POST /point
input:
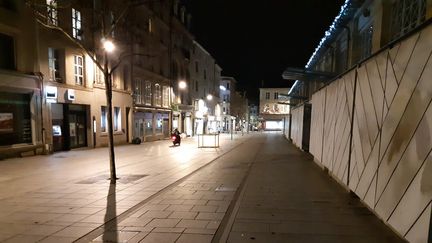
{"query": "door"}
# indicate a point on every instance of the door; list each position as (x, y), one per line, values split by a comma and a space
(77, 129)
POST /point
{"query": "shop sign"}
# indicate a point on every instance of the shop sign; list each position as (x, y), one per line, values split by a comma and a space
(71, 94)
(51, 94)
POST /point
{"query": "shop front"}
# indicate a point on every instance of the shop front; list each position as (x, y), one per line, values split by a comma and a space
(15, 118)
(151, 125)
(69, 126)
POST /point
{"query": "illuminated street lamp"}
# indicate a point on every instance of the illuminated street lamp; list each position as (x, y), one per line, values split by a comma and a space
(209, 97)
(182, 84)
(108, 45)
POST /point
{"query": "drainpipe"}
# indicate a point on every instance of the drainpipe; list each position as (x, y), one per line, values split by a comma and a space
(351, 129)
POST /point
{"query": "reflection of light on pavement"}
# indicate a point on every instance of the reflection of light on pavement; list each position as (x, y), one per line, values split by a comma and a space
(184, 156)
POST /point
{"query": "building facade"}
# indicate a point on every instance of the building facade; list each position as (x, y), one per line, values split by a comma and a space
(21, 85)
(273, 107)
(204, 91)
(53, 93)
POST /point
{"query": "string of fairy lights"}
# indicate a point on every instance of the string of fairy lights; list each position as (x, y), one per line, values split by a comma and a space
(343, 12)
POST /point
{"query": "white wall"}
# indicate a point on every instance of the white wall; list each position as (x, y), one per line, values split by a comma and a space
(297, 125)
(391, 160)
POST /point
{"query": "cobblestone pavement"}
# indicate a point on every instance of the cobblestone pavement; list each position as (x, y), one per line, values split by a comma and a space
(254, 188)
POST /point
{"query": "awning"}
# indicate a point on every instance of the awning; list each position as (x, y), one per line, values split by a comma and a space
(306, 75)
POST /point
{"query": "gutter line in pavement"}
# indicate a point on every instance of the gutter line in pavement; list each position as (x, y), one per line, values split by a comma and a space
(113, 222)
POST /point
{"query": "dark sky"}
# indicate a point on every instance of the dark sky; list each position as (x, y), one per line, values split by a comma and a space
(255, 41)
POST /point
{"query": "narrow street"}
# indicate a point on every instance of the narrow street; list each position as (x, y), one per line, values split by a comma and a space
(254, 188)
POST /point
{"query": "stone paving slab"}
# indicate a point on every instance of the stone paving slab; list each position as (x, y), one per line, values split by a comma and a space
(288, 198)
(43, 198)
(173, 216)
(264, 190)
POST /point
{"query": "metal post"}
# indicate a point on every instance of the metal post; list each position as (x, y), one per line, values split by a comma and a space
(232, 129)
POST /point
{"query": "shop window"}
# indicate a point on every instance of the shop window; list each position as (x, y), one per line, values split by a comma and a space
(148, 122)
(7, 50)
(117, 119)
(159, 123)
(79, 70)
(76, 24)
(104, 119)
(15, 119)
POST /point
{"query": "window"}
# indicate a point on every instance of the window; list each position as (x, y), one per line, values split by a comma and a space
(76, 24)
(53, 64)
(150, 25)
(78, 70)
(158, 95)
(125, 77)
(52, 12)
(406, 15)
(117, 119)
(276, 95)
(227, 86)
(148, 94)
(366, 42)
(205, 74)
(139, 92)
(196, 66)
(159, 123)
(267, 95)
(9, 4)
(196, 85)
(7, 50)
(99, 77)
(103, 119)
(165, 96)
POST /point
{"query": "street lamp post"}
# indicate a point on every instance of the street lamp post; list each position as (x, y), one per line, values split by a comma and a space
(109, 47)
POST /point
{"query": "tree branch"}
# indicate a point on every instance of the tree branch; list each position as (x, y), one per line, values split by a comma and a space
(123, 56)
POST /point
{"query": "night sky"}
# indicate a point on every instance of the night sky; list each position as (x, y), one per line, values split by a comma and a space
(254, 41)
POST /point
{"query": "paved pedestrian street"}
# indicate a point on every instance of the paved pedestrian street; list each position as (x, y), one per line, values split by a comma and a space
(254, 188)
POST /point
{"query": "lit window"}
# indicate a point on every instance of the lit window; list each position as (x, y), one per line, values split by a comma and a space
(150, 25)
(165, 94)
(78, 70)
(117, 119)
(148, 94)
(53, 64)
(158, 95)
(52, 12)
(76, 24)
(103, 119)
(99, 77)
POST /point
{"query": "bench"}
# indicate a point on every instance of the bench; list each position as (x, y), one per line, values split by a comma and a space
(18, 150)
